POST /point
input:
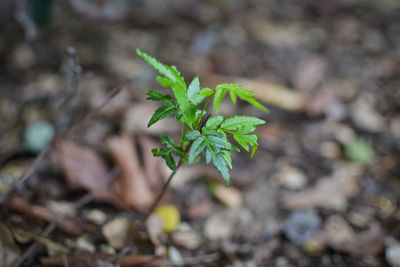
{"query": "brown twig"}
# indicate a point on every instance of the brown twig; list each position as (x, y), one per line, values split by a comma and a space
(52, 226)
(38, 159)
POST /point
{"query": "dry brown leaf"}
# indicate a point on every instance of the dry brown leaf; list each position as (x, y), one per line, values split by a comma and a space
(21, 206)
(131, 186)
(328, 193)
(9, 251)
(366, 243)
(85, 169)
(272, 94)
(151, 163)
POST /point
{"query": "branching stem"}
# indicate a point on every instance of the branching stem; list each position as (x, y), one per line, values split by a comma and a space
(166, 185)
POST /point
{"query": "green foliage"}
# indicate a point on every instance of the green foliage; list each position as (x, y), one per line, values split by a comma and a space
(201, 135)
(360, 151)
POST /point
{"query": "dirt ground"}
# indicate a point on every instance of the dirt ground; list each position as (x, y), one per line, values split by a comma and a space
(322, 189)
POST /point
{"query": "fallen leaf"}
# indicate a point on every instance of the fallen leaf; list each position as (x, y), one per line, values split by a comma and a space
(131, 186)
(330, 192)
(151, 163)
(229, 196)
(35, 212)
(85, 169)
(9, 251)
(366, 243)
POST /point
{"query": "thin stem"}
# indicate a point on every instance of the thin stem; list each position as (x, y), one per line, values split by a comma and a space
(202, 111)
(166, 184)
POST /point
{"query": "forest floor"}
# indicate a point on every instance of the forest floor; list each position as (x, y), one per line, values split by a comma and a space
(322, 189)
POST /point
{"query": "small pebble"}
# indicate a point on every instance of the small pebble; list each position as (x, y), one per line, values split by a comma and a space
(82, 243)
(392, 255)
(329, 149)
(97, 216)
(119, 232)
(186, 237)
(291, 177)
(38, 135)
(175, 256)
(219, 226)
(300, 226)
(229, 196)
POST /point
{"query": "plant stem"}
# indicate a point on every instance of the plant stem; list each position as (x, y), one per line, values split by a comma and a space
(166, 184)
(161, 194)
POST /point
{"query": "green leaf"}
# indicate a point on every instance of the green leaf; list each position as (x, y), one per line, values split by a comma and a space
(208, 156)
(161, 113)
(169, 72)
(239, 138)
(177, 84)
(214, 122)
(219, 162)
(241, 122)
(206, 92)
(227, 156)
(167, 140)
(192, 135)
(247, 96)
(234, 91)
(360, 151)
(246, 140)
(196, 148)
(164, 82)
(219, 95)
(169, 160)
(193, 91)
(156, 152)
(157, 96)
(179, 151)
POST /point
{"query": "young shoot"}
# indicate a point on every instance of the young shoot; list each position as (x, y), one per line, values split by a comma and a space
(202, 134)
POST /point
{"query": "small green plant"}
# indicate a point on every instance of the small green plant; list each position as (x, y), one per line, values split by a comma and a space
(201, 133)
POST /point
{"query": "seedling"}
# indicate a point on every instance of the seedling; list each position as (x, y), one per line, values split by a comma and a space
(202, 134)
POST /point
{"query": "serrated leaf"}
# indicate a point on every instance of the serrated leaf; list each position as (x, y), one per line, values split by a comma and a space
(206, 92)
(169, 72)
(240, 121)
(193, 91)
(169, 160)
(177, 85)
(253, 150)
(192, 135)
(219, 162)
(167, 140)
(179, 151)
(157, 96)
(227, 157)
(239, 138)
(167, 83)
(246, 140)
(219, 95)
(214, 122)
(156, 152)
(161, 113)
(196, 148)
(233, 95)
(208, 156)
(247, 96)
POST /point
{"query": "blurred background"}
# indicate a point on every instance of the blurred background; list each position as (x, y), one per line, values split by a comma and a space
(323, 188)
